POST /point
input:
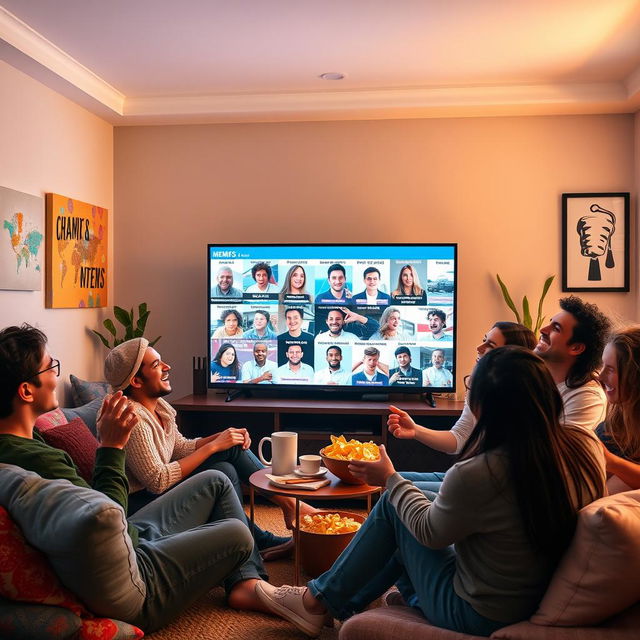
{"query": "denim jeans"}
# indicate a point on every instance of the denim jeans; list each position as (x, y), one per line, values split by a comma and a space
(235, 463)
(192, 538)
(425, 481)
(384, 552)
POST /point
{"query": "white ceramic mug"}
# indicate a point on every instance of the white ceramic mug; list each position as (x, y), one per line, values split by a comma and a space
(284, 452)
(310, 464)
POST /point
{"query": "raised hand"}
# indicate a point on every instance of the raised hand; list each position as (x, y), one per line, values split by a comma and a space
(400, 424)
(375, 472)
(116, 420)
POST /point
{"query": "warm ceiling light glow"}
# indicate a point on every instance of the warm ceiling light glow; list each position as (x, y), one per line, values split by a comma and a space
(332, 75)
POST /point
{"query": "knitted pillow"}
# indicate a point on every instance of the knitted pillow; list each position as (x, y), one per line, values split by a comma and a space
(76, 439)
(84, 536)
(83, 391)
(28, 577)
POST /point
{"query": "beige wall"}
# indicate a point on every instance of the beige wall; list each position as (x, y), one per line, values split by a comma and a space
(491, 184)
(49, 144)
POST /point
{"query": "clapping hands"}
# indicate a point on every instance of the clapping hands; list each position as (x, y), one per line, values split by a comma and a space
(116, 421)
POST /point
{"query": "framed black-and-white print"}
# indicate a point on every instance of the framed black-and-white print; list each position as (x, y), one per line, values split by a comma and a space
(595, 242)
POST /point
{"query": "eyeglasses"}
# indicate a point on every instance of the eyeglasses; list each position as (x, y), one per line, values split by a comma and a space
(55, 364)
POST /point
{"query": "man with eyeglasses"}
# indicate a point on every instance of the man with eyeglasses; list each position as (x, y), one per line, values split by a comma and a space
(181, 553)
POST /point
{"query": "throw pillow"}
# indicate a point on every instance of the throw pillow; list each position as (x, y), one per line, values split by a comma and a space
(598, 575)
(20, 621)
(76, 439)
(88, 412)
(50, 420)
(84, 536)
(28, 577)
(83, 391)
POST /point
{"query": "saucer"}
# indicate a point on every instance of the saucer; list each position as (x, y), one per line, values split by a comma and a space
(319, 474)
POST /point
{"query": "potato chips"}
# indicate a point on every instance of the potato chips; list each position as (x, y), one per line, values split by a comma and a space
(329, 524)
(340, 449)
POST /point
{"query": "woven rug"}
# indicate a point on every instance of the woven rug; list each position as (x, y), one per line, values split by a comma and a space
(211, 619)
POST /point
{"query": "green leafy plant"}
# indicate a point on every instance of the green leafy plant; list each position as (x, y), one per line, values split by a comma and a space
(525, 317)
(132, 328)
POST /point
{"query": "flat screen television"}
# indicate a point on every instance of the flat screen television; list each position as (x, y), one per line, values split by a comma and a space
(369, 318)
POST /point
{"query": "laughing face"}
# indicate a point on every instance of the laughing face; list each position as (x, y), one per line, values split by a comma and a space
(153, 379)
(609, 373)
(554, 344)
(492, 340)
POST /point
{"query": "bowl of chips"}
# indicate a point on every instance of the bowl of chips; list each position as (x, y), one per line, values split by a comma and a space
(324, 536)
(337, 456)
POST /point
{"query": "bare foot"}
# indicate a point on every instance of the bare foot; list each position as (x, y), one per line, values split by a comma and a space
(243, 596)
(281, 551)
(288, 506)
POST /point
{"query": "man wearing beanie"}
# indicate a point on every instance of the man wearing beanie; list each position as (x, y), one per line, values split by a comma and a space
(189, 540)
(159, 456)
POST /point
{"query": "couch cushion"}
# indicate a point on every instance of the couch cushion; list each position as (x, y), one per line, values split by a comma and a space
(37, 622)
(83, 391)
(598, 575)
(396, 623)
(84, 536)
(76, 439)
(88, 412)
(50, 420)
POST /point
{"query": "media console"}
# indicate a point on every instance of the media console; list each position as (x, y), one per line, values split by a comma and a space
(316, 419)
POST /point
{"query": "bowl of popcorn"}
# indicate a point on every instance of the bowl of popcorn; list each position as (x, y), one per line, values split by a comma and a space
(340, 452)
(324, 536)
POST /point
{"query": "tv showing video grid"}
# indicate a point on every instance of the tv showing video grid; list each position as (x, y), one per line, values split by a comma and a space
(356, 316)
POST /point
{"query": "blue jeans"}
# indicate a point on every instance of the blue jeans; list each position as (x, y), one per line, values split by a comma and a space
(425, 481)
(235, 463)
(384, 552)
(192, 538)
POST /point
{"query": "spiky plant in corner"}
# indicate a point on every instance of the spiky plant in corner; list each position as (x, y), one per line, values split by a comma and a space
(132, 328)
(525, 318)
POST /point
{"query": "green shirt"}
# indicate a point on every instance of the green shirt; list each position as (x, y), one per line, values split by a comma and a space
(35, 455)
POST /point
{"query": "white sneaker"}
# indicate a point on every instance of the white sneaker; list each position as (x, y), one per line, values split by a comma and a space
(286, 602)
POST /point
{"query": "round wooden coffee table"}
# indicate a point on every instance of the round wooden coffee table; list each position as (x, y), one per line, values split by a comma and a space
(335, 490)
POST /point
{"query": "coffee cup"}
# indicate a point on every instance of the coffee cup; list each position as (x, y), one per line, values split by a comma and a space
(310, 464)
(284, 452)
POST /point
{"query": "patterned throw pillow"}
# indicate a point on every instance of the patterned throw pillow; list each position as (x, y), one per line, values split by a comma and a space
(50, 420)
(76, 439)
(84, 391)
(26, 576)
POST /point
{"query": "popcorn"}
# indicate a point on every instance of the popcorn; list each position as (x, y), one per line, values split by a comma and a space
(340, 449)
(328, 524)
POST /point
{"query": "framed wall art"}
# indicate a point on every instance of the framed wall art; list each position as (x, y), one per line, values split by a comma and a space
(77, 244)
(21, 241)
(595, 242)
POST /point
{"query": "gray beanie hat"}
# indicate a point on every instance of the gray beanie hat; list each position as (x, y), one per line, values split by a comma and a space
(123, 362)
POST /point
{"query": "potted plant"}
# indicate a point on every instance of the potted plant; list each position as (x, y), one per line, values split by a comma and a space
(132, 328)
(525, 317)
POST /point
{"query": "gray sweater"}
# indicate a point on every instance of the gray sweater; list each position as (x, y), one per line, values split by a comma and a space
(497, 571)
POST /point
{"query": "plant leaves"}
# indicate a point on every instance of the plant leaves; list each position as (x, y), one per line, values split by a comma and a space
(102, 338)
(142, 322)
(122, 316)
(110, 327)
(154, 341)
(526, 314)
(545, 289)
(142, 308)
(507, 298)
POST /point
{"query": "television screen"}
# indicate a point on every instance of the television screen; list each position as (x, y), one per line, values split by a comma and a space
(352, 317)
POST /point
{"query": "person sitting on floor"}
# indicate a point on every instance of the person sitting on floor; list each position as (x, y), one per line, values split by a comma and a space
(159, 456)
(197, 548)
(478, 555)
(620, 432)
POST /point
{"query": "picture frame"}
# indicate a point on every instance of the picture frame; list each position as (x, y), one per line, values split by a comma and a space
(595, 241)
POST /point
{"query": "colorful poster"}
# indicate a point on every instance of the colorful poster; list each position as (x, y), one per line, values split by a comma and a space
(77, 235)
(21, 236)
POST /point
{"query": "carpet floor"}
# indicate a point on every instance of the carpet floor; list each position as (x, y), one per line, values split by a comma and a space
(210, 618)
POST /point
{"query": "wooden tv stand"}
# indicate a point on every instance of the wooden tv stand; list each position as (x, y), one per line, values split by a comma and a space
(316, 419)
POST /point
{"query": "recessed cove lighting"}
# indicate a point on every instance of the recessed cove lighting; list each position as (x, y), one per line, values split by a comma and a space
(332, 75)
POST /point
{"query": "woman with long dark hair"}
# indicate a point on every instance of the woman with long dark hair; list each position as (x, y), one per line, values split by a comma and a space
(225, 366)
(509, 506)
(620, 432)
